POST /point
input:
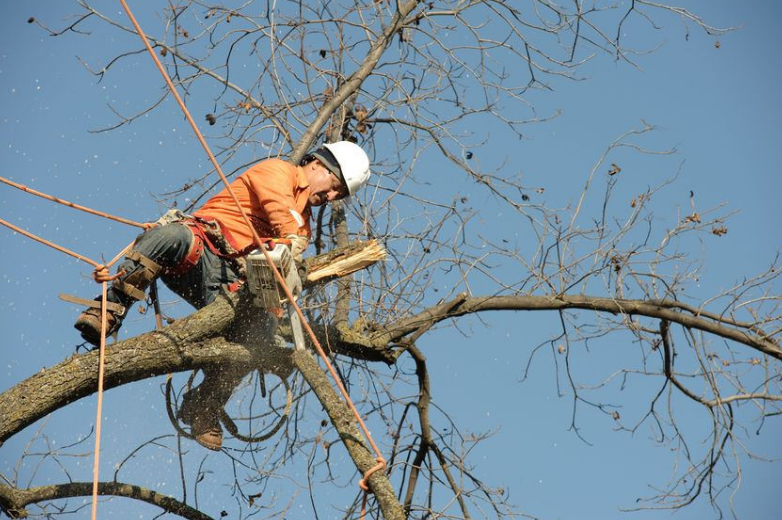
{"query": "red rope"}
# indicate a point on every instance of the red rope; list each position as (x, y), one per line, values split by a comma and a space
(256, 238)
(101, 275)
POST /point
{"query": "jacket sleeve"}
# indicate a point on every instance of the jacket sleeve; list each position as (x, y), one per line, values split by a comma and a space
(272, 184)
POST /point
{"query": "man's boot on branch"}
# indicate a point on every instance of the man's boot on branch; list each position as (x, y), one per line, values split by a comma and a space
(200, 411)
(201, 406)
(126, 290)
(88, 322)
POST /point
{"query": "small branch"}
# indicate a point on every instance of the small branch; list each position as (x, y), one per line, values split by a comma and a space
(711, 403)
(427, 442)
(355, 81)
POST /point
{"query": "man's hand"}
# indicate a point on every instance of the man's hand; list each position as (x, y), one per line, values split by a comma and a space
(299, 244)
(293, 281)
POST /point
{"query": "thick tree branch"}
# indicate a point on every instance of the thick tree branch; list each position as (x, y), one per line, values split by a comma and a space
(195, 342)
(343, 420)
(14, 501)
(200, 340)
(185, 345)
(662, 309)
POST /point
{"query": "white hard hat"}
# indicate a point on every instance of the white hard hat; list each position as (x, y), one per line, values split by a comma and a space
(353, 164)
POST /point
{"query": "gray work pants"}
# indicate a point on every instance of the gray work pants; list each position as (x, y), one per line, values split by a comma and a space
(167, 246)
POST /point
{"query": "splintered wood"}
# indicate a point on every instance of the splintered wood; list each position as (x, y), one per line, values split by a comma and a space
(340, 262)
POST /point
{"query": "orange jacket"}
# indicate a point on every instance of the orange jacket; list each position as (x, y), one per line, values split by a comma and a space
(269, 192)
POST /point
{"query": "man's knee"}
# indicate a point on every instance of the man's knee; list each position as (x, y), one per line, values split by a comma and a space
(165, 244)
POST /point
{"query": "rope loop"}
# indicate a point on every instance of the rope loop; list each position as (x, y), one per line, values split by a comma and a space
(101, 274)
(381, 464)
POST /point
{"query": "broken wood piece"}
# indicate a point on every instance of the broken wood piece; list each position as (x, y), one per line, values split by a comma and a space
(344, 261)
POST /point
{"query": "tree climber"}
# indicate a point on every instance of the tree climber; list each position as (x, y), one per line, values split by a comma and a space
(196, 255)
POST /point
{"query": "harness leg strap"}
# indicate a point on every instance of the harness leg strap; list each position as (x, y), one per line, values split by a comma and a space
(135, 283)
(191, 258)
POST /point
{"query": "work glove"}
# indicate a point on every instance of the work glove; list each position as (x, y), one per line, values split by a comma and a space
(299, 244)
(301, 267)
(293, 281)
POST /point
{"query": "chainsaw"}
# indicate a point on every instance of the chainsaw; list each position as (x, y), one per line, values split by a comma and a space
(266, 290)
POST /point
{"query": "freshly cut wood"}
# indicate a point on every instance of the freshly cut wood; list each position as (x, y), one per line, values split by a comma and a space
(344, 261)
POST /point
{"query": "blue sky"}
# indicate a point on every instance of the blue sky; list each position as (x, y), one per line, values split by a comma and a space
(719, 107)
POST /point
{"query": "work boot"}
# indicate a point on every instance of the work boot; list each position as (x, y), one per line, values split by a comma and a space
(88, 323)
(203, 420)
(140, 272)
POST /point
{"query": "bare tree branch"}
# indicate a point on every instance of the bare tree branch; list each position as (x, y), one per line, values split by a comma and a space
(15, 501)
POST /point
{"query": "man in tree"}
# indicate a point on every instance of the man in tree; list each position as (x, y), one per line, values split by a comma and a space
(196, 255)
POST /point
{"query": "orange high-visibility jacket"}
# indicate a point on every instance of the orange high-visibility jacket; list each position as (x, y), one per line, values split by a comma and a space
(274, 195)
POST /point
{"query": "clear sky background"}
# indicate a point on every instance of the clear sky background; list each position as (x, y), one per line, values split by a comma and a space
(719, 106)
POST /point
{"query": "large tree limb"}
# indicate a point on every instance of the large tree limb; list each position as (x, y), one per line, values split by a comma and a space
(185, 345)
(14, 501)
(343, 420)
(663, 309)
(200, 340)
(196, 342)
(203, 339)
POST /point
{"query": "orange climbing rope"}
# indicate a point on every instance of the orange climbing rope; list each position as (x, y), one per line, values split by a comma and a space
(72, 205)
(381, 461)
(102, 276)
(99, 406)
(93, 263)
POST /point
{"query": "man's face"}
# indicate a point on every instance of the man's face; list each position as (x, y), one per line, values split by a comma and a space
(324, 185)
